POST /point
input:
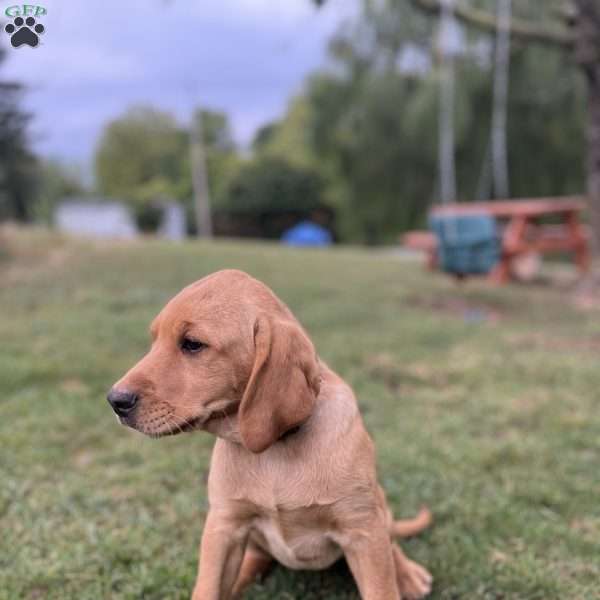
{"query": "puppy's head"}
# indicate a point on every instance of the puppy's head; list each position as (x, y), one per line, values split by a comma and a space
(223, 346)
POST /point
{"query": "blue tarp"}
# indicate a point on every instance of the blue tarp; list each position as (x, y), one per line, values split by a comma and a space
(307, 233)
(467, 244)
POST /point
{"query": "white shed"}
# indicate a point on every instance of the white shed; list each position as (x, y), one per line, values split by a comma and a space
(102, 219)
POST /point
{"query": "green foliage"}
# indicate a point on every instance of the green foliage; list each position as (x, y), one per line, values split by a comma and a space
(549, 13)
(492, 423)
(149, 217)
(289, 139)
(222, 159)
(56, 181)
(17, 163)
(140, 156)
(546, 128)
(144, 157)
(271, 185)
(379, 153)
(374, 124)
(215, 131)
(263, 136)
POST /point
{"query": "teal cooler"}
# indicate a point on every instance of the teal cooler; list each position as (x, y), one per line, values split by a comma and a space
(467, 244)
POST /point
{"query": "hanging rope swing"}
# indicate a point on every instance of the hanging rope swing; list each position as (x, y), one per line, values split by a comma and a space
(494, 178)
(470, 244)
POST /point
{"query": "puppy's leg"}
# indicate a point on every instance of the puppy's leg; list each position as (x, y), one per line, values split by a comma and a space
(409, 527)
(370, 558)
(414, 581)
(255, 564)
(221, 553)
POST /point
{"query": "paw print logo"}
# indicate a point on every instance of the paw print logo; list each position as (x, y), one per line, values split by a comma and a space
(24, 31)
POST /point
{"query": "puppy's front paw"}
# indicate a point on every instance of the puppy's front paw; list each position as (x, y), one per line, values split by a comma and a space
(414, 581)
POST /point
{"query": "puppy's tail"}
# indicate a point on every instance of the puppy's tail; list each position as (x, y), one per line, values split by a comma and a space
(409, 527)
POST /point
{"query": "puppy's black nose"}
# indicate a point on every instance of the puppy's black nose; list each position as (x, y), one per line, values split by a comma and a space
(122, 401)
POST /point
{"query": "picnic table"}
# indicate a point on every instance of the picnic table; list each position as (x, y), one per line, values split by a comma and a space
(523, 232)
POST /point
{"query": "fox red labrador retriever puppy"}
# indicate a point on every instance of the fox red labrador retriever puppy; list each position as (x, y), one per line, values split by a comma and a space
(292, 475)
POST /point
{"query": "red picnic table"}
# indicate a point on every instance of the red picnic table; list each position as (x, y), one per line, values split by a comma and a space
(522, 232)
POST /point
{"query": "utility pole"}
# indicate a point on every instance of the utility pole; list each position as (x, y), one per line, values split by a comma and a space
(200, 178)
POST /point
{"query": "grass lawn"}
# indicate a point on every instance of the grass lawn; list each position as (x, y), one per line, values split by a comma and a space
(493, 422)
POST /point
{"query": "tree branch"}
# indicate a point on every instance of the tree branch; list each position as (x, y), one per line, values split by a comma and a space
(487, 22)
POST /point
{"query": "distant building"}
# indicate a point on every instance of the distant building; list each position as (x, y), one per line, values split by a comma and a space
(101, 219)
(111, 219)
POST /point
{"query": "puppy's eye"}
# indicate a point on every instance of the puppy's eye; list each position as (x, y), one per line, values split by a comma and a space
(190, 346)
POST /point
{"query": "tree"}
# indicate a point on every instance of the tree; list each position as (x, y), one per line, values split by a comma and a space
(17, 163)
(56, 181)
(271, 185)
(263, 136)
(144, 156)
(222, 159)
(382, 154)
(585, 22)
(375, 118)
(140, 157)
(269, 194)
(289, 138)
(581, 37)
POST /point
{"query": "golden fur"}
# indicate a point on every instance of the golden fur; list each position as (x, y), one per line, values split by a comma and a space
(292, 474)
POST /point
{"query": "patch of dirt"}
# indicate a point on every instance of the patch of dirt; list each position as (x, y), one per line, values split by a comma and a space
(385, 368)
(585, 295)
(527, 404)
(458, 307)
(83, 459)
(498, 557)
(534, 341)
(587, 527)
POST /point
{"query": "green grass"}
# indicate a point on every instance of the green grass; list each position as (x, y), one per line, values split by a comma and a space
(494, 422)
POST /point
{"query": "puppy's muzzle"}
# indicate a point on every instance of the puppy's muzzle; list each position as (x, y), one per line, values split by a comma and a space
(123, 402)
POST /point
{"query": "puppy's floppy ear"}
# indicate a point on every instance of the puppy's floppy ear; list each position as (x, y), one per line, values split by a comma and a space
(283, 385)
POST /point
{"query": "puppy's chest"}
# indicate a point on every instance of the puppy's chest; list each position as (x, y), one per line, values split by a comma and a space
(289, 501)
(300, 538)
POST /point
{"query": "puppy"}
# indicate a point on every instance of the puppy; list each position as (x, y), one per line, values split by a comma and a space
(292, 474)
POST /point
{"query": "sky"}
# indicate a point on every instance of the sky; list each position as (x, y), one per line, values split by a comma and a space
(245, 57)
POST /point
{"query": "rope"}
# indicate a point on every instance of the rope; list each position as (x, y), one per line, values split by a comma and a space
(447, 168)
(500, 106)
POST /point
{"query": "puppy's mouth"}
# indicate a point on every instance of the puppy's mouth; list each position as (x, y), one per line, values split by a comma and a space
(199, 423)
(168, 425)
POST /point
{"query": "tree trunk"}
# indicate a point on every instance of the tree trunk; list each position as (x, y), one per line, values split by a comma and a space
(21, 208)
(587, 53)
(593, 158)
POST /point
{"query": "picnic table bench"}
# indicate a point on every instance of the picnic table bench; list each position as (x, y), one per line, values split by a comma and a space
(522, 233)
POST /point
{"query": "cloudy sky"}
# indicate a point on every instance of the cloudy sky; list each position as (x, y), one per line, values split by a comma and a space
(246, 57)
